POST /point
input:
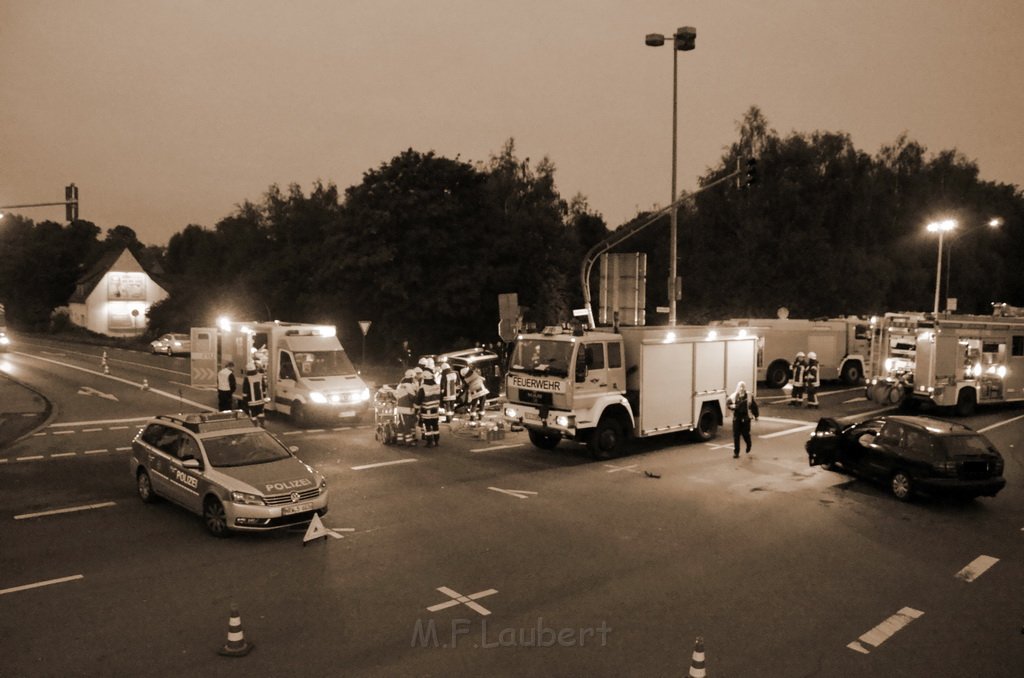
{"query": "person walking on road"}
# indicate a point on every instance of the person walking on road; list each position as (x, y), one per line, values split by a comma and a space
(799, 366)
(226, 385)
(743, 406)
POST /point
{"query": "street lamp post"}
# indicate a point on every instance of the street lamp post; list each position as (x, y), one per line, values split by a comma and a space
(941, 227)
(993, 223)
(682, 41)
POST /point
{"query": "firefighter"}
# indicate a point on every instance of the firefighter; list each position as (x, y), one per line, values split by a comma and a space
(798, 369)
(449, 384)
(476, 392)
(743, 406)
(428, 400)
(253, 390)
(812, 379)
(405, 396)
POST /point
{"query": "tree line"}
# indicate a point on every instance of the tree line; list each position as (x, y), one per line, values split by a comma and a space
(424, 245)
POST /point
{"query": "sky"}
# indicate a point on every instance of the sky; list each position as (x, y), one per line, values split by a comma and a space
(166, 113)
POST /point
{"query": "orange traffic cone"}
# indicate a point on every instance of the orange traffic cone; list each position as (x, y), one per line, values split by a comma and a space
(236, 645)
(697, 663)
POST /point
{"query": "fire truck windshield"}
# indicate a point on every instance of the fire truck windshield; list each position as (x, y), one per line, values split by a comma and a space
(542, 356)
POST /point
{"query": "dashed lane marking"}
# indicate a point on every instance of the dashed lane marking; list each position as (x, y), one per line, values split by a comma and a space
(91, 430)
(48, 582)
(62, 433)
(58, 455)
(976, 568)
(885, 630)
(70, 509)
(31, 457)
(497, 447)
(99, 451)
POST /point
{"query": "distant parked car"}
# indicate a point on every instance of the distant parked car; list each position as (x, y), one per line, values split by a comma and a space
(172, 344)
(911, 454)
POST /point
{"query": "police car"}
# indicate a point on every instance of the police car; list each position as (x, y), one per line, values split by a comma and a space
(225, 468)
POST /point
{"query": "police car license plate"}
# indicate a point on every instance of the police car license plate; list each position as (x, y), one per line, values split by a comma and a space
(296, 508)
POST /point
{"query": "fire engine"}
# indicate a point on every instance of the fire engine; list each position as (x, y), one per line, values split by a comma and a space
(309, 375)
(841, 344)
(602, 387)
(957, 361)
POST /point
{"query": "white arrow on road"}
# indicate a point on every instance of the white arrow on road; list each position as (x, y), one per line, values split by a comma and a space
(89, 390)
(520, 494)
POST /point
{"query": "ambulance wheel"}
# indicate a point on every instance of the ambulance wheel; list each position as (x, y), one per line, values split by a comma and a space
(144, 487)
(606, 440)
(707, 424)
(299, 416)
(544, 441)
(214, 517)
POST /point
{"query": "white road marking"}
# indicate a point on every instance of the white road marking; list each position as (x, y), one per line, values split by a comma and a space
(122, 449)
(38, 584)
(90, 430)
(788, 431)
(497, 447)
(632, 468)
(315, 430)
(98, 421)
(29, 458)
(96, 451)
(977, 567)
(4, 461)
(36, 435)
(118, 428)
(62, 454)
(133, 384)
(465, 600)
(383, 463)
(71, 509)
(291, 433)
(885, 630)
(62, 433)
(780, 420)
(1000, 423)
(518, 494)
(854, 400)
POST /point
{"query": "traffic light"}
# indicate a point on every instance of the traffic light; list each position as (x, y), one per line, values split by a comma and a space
(685, 38)
(749, 172)
(71, 202)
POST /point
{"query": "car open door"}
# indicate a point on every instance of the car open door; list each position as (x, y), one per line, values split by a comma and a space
(823, 445)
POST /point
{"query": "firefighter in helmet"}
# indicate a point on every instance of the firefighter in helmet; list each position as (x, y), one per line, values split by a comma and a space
(449, 384)
(812, 379)
(476, 392)
(405, 404)
(428, 401)
(799, 367)
(253, 390)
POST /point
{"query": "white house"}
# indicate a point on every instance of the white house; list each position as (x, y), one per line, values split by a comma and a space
(113, 297)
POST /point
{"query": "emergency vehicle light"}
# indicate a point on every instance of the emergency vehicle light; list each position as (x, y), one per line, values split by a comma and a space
(670, 338)
(712, 334)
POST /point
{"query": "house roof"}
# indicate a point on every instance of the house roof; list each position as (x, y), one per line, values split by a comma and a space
(121, 259)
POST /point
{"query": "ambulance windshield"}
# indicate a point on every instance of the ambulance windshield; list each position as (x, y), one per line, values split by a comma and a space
(323, 363)
(542, 356)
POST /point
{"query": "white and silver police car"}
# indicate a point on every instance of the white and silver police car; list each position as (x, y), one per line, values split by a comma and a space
(222, 466)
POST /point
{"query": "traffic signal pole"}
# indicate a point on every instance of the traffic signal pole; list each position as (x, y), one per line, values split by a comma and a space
(70, 203)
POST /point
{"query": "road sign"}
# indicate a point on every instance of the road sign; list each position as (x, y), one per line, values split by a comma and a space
(364, 325)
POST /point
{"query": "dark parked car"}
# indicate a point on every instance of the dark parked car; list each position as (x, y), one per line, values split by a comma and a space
(911, 454)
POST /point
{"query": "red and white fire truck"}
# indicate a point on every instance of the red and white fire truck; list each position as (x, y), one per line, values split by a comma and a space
(957, 361)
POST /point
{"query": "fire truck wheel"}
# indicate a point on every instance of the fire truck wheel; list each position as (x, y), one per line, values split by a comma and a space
(966, 402)
(707, 424)
(606, 439)
(777, 374)
(852, 373)
(544, 441)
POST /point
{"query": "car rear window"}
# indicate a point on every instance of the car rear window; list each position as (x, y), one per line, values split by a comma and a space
(965, 445)
(242, 449)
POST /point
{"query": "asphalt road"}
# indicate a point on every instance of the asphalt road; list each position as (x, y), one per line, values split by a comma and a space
(495, 558)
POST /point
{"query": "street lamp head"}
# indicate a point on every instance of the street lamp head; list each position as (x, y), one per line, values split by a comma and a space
(995, 222)
(685, 38)
(654, 40)
(942, 226)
